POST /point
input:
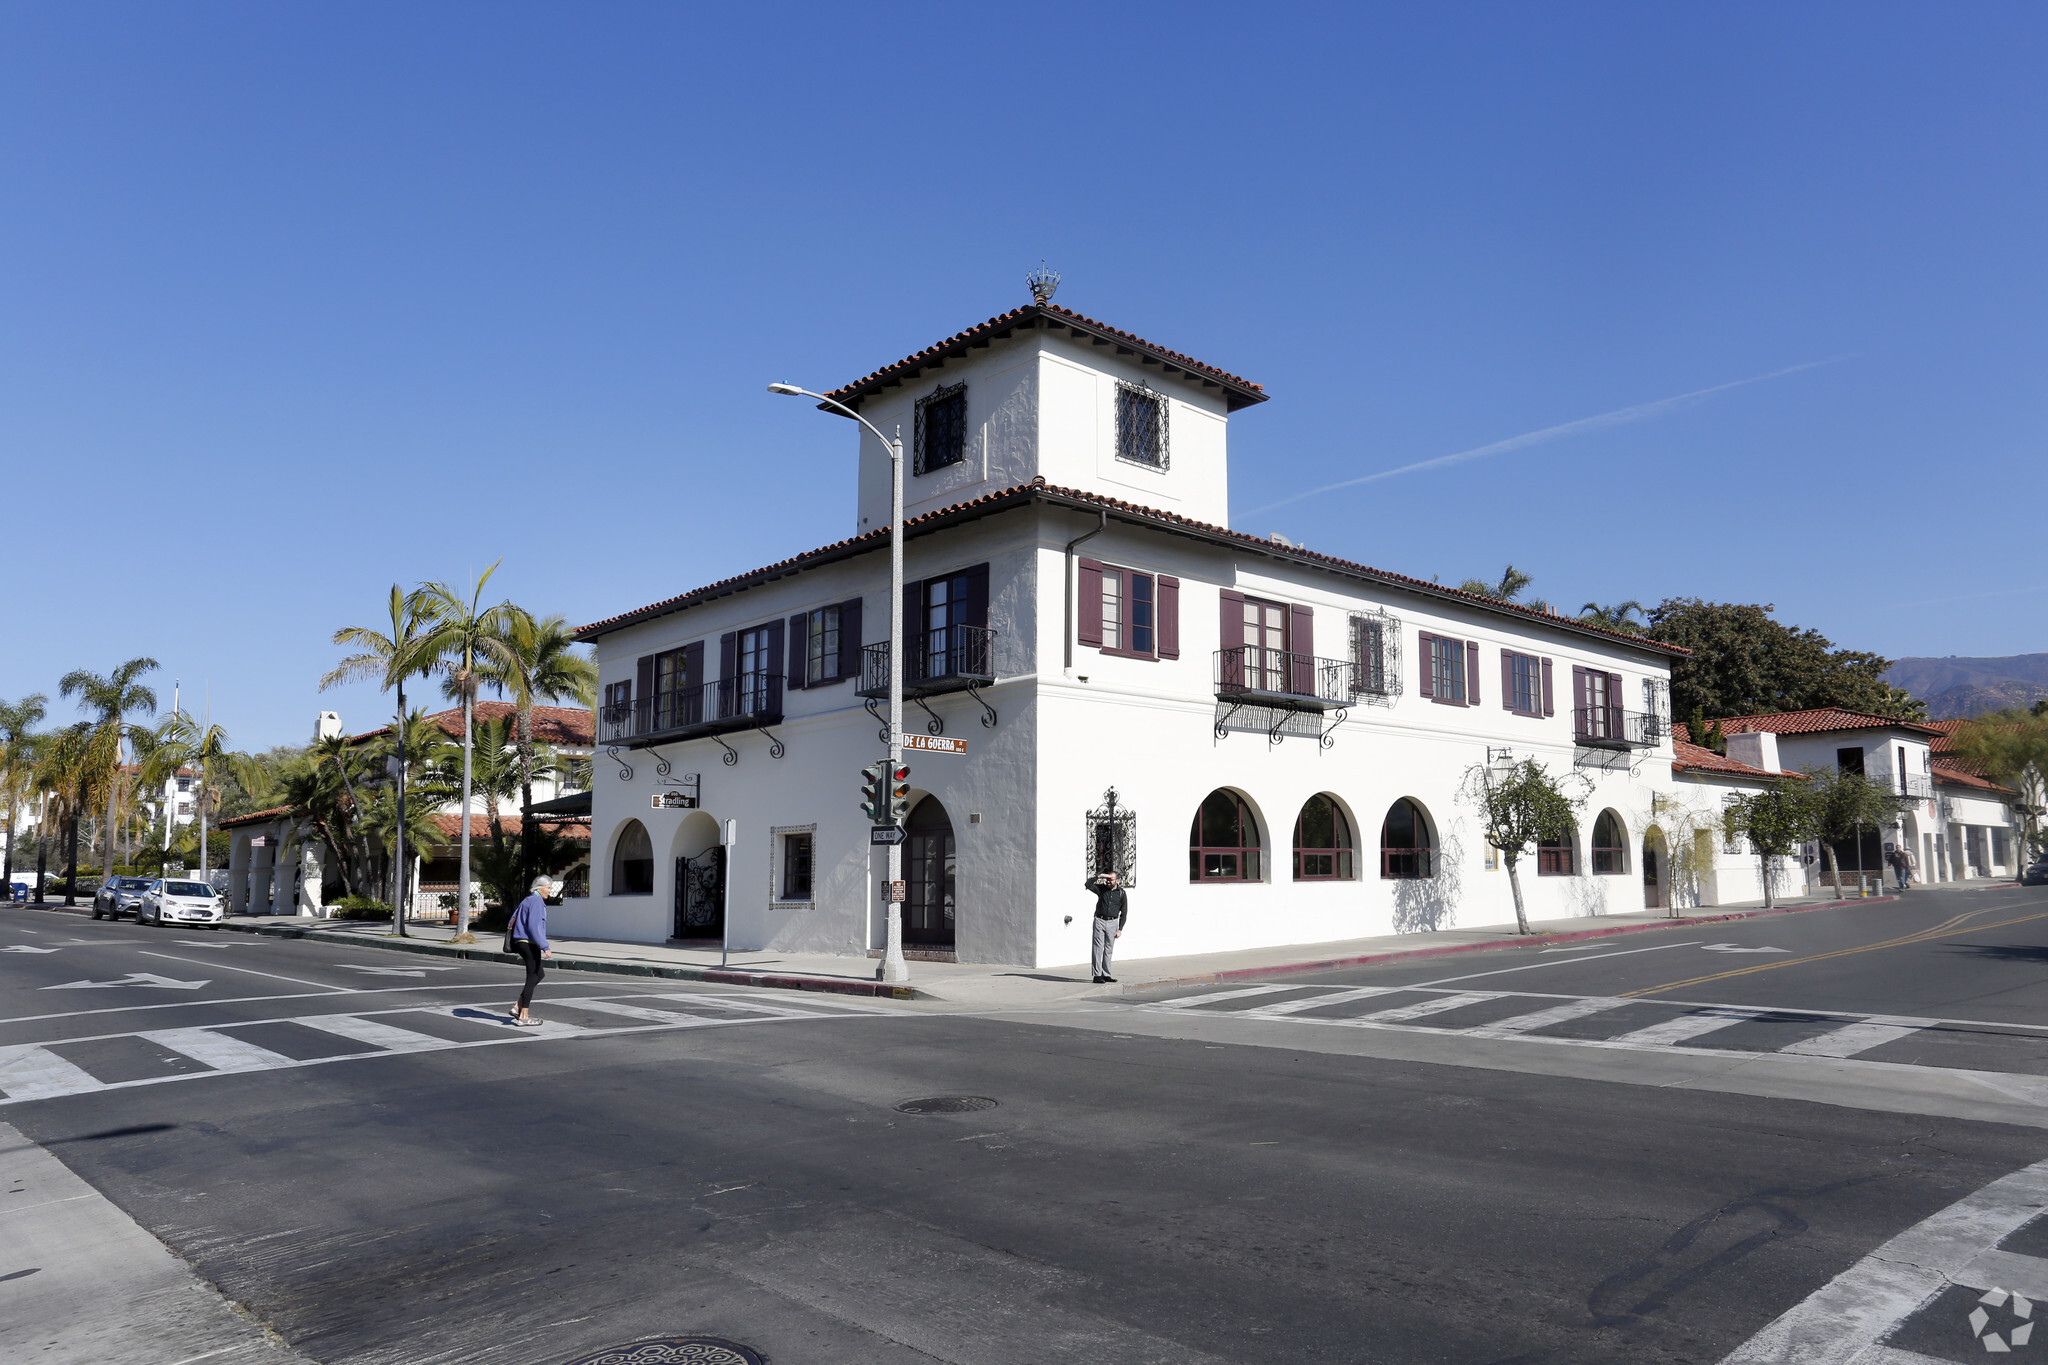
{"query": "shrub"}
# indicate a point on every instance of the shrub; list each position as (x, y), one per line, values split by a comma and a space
(358, 907)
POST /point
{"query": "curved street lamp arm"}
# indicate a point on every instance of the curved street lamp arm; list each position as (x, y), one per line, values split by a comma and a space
(887, 443)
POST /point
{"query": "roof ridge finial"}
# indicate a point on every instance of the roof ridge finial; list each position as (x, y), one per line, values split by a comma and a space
(1044, 282)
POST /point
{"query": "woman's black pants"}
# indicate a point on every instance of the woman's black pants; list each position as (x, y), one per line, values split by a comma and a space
(529, 953)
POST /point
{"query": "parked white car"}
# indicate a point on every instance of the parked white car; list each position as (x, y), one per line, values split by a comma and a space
(179, 902)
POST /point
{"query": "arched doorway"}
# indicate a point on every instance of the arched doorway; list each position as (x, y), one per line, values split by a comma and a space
(1656, 870)
(700, 879)
(633, 861)
(928, 861)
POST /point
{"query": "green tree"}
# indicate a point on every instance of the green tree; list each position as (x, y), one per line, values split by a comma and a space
(1842, 806)
(2011, 746)
(114, 697)
(1509, 589)
(388, 658)
(1775, 820)
(1519, 806)
(459, 630)
(539, 660)
(1745, 663)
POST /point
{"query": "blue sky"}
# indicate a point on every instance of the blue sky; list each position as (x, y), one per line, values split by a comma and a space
(302, 300)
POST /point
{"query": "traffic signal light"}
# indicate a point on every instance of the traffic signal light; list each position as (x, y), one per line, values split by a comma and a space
(874, 788)
(899, 794)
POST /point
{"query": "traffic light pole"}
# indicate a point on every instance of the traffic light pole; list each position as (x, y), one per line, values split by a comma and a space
(894, 969)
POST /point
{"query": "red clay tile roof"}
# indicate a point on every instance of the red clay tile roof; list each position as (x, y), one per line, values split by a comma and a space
(1955, 775)
(570, 725)
(1819, 720)
(1690, 757)
(1025, 493)
(480, 827)
(254, 817)
(1238, 393)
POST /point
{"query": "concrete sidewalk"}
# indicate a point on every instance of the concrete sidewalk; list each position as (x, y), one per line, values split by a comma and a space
(982, 986)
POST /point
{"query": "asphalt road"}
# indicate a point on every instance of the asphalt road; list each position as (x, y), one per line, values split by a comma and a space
(382, 1170)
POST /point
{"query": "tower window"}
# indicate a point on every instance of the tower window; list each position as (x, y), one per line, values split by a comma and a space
(1140, 426)
(941, 429)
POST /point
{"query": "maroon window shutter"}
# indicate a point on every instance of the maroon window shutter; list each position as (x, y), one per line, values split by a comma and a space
(644, 674)
(1507, 680)
(1089, 619)
(1425, 650)
(1166, 609)
(1230, 633)
(1578, 698)
(977, 596)
(1549, 708)
(799, 651)
(1301, 645)
(1471, 673)
(849, 639)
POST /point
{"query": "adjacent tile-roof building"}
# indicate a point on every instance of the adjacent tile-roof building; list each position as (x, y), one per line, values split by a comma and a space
(1819, 720)
(1687, 757)
(570, 726)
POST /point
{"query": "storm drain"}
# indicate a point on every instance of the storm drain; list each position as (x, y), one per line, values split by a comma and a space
(946, 1104)
(675, 1351)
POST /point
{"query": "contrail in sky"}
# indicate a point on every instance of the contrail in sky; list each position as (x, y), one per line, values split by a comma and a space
(1619, 417)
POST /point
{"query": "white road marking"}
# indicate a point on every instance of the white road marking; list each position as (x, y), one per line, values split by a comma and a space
(1420, 1010)
(149, 979)
(31, 1073)
(1842, 1321)
(1553, 962)
(26, 948)
(1316, 1001)
(1556, 1014)
(483, 1014)
(625, 1011)
(248, 1000)
(221, 1051)
(370, 1031)
(1688, 1026)
(733, 1002)
(250, 971)
(1851, 1039)
(1736, 948)
(392, 971)
(1190, 1001)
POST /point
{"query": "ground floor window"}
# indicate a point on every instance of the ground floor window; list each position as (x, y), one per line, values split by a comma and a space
(633, 862)
(1406, 849)
(1556, 857)
(1223, 845)
(796, 866)
(1610, 844)
(1322, 841)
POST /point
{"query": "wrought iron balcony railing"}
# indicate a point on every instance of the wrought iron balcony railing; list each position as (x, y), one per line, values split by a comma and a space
(1252, 675)
(742, 702)
(950, 659)
(1610, 727)
(1914, 786)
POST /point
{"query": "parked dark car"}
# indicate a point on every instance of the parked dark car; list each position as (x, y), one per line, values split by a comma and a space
(2036, 873)
(120, 896)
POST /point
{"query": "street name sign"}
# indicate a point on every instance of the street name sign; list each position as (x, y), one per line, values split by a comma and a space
(886, 834)
(935, 744)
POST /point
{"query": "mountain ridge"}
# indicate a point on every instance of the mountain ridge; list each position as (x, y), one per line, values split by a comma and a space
(1960, 686)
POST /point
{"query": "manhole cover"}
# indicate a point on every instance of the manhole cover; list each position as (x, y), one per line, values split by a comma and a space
(946, 1104)
(675, 1351)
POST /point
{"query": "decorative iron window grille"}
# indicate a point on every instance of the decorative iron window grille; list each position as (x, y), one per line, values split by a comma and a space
(1141, 435)
(1112, 840)
(1376, 657)
(941, 430)
(1657, 702)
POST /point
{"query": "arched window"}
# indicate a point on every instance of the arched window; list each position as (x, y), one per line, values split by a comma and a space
(1322, 842)
(1223, 846)
(1405, 847)
(1610, 844)
(633, 862)
(1557, 857)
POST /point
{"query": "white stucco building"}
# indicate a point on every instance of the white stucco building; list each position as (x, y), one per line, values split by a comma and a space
(1286, 734)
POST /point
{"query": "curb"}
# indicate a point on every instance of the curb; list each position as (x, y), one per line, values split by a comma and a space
(1486, 945)
(725, 976)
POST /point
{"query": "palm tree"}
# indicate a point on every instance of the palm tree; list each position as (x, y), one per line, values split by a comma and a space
(19, 744)
(68, 775)
(181, 742)
(1509, 589)
(113, 697)
(335, 752)
(539, 660)
(388, 659)
(460, 629)
(1615, 617)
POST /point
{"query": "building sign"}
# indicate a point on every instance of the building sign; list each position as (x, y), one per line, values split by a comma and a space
(673, 801)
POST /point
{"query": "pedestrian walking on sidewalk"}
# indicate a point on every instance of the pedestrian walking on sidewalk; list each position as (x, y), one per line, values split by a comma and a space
(528, 936)
(1112, 908)
(1902, 868)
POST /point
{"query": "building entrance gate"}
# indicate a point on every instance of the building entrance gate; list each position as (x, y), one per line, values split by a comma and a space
(928, 873)
(700, 894)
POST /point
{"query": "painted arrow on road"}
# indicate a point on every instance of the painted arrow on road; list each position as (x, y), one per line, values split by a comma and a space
(1732, 948)
(393, 971)
(25, 948)
(150, 979)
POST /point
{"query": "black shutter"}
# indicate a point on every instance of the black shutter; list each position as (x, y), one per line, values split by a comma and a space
(800, 651)
(977, 595)
(643, 672)
(728, 661)
(1166, 607)
(849, 638)
(775, 669)
(1088, 618)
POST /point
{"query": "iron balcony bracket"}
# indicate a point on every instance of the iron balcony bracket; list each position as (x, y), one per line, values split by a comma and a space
(988, 713)
(1273, 735)
(661, 764)
(732, 755)
(937, 726)
(611, 751)
(775, 749)
(1328, 738)
(1223, 721)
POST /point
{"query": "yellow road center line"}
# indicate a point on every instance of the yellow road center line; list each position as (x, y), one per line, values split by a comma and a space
(1947, 928)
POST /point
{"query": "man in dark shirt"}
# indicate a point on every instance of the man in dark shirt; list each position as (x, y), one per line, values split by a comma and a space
(1111, 910)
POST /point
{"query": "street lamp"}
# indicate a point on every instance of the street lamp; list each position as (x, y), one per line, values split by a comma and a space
(894, 969)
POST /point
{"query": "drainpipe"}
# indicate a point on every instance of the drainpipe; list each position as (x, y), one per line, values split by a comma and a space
(1068, 641)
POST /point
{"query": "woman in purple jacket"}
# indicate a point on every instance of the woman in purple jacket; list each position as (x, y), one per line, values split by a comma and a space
(529, 935)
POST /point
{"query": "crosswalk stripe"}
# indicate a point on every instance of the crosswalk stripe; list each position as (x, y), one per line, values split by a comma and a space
(625, 1011)
(1310, 1002)
(730, 1003)
(1851, 1039)
(1188, 1001)
(1556, 1014)
(473, 1014)
(28, 1072)
(1422, 1008)
(370, 1031)
(221, 1051)
(1689, 1026)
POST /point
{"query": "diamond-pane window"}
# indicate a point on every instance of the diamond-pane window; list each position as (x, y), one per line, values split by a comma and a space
(1140, 426)
(941, 429)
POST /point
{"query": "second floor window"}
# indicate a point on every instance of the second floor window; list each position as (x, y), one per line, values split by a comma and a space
(1127, 619)
(1368, 655)
(1525, 684)
(941, 429)
(821, 645)
(673, 695)
(1140, 426)
(617, 697)
(1447, 669)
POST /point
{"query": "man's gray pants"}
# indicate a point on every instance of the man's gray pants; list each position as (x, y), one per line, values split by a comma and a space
(1105, 944)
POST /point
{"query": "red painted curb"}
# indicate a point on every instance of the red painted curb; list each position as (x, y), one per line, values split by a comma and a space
(1486, 945)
